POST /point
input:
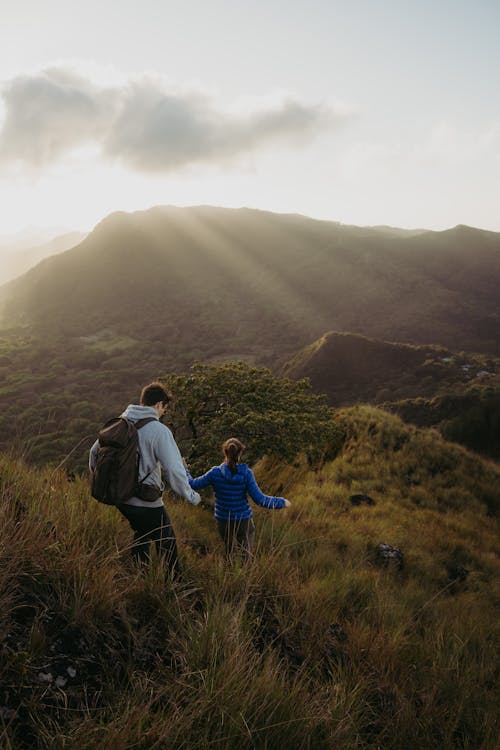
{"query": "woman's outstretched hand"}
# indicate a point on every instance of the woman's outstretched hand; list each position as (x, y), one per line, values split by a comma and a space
(287, 503)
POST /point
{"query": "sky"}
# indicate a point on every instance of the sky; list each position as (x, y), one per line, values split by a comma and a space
(366, 112)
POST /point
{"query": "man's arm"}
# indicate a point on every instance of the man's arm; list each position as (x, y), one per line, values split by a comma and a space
(93, 455)
(171, 461)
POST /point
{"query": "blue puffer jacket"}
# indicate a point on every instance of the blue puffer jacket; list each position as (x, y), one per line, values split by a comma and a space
(231, 503)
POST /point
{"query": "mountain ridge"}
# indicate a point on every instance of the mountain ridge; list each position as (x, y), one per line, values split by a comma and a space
(311, 274)
(456, 392)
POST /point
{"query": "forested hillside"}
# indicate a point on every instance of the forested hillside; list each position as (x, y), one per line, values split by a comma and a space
(457, 392)
(214, 278)
(351, 368)
(148, 293)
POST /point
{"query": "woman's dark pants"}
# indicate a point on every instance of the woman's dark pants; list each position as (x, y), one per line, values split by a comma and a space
(152, 525)
(237, 536)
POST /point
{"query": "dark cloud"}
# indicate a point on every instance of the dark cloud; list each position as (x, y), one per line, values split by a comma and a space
(141, 124)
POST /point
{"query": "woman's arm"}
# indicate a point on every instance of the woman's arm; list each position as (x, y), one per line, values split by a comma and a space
(267, 501)
(200, 482)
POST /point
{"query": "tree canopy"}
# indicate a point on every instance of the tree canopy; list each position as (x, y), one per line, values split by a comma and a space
(270, 415)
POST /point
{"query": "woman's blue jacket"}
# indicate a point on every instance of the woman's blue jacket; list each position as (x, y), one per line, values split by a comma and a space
(231, 490)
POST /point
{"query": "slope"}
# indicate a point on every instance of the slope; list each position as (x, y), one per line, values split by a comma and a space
(456, 392)
(243, 274)
(320, 643)
(19, 259)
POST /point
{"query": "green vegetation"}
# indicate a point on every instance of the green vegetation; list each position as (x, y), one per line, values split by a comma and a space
(54, 392)
(151, 292)
(320, 642)
(48, 411)
(315, 645)
(271, 416)
(467, 414)
(350, 368)
(456, 392)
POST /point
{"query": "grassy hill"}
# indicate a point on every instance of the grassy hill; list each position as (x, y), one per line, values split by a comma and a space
(430, 386)
(319, 644)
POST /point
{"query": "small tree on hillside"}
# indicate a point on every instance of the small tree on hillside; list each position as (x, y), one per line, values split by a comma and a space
(271, 415)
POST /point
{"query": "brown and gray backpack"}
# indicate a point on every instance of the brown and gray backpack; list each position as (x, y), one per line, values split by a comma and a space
(115, 477)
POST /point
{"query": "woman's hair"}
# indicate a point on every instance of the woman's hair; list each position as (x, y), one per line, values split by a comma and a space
(232, 449)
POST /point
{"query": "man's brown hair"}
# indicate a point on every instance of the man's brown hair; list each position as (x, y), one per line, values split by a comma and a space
(153, 393)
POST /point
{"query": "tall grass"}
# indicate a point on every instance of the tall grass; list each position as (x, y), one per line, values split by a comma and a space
(314, 645)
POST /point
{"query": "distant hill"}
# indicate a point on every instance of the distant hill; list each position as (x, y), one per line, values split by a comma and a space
(224, 279)
(350, 368)
(18, 258)
(428, 385)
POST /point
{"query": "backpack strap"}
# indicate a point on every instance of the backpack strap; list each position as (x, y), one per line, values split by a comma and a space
(141, 423)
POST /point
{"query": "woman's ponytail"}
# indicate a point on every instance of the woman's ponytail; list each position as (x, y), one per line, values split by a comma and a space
(232, 449)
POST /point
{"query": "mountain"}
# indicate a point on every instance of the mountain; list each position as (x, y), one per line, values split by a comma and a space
(368, 618)
(148, 293)
(18, 257)
(384, 229)
(29, 237)
(227, 280)
(431, 386)
(350, 368)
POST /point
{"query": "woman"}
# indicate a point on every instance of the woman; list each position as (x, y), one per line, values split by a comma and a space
(232, 481)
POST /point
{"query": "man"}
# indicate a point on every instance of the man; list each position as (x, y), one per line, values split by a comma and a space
(157, 450)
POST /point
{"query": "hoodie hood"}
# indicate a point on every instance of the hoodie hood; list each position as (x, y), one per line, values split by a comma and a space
(241, 470)
(134, 412)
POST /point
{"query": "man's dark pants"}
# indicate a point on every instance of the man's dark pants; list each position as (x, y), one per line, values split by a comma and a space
(152, 525)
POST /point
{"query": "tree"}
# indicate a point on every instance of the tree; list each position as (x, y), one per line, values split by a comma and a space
(270, 415)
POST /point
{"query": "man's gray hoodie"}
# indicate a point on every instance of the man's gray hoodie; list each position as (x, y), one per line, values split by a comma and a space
(157, 449)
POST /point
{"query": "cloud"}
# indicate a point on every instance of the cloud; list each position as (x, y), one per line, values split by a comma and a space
(142, 123)
(51, 113)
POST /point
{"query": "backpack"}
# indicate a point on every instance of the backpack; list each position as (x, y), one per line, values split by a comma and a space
(115, 477)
